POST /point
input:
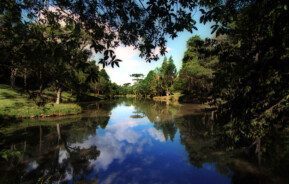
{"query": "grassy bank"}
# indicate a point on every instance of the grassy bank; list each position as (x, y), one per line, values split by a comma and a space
(13, 103)
(172, 98)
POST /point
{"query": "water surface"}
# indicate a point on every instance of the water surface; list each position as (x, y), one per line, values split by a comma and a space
(126, 141)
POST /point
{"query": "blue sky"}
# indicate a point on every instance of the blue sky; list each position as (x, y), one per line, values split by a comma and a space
(132, 63)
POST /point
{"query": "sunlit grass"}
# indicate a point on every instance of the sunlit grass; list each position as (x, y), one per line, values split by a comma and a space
(13, 103)
(65, 96)
(174, 97)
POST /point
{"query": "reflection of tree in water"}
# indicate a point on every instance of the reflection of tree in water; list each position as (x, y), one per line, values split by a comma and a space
(51, 158)
(160, 114)
(154, 111)
(204, 143)
(169, 130)
(70, 163)
(196, 131)
(137, 115)
(197, 138)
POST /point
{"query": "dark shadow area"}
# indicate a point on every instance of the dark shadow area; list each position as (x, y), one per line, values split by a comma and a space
(50, 147)
(6, 121)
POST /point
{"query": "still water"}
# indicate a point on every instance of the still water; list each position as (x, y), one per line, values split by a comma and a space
(126, 141)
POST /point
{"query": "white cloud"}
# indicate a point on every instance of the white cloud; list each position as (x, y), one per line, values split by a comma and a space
(63, 155)
(131, 63)
(31, 166)
(156, 134)
(118, 141)
(126, 53)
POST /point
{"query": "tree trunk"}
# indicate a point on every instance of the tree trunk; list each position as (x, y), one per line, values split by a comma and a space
(258, 150)
(167, 96)
(167, 93)
(13, 77)
(258, 145)
(58, 131)
(25, 78)
(58, 96)
(40, 139)
(212, 116)
(41, 85)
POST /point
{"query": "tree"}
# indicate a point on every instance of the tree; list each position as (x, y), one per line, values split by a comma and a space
(125, 89)
(251, 83)
(137, 76)
(150, 84)
(11, 35)
(114, 89)
(46, 54)
(60, 63)
(147, 86)
(102, 85)
(196, 75)
(168, 73)
(69, 58)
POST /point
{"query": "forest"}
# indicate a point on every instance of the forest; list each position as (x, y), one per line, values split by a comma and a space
(241, 73)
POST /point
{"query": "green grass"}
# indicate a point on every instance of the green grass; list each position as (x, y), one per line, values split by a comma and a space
(16, 104)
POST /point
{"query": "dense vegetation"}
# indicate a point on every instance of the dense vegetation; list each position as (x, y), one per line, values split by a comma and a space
(194, 80)
(243, 71)
(250, 87)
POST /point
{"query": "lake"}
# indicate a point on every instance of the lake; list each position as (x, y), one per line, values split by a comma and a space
(130, 141)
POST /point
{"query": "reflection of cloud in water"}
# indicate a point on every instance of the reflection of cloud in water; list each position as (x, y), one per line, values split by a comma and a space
(156, 134)
(68, 174)
(31, 166)
(118, 141)
(123, 132)
(110, 149)
(63, 155)
(209, 166)
(148, 160)
(110, 178)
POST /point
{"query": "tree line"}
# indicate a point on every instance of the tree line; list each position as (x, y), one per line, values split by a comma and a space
(194, 80)
(157, 82)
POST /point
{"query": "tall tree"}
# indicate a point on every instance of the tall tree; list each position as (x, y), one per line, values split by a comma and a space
(196, 75)
(137, 76)
(168, 73)
(102, 85)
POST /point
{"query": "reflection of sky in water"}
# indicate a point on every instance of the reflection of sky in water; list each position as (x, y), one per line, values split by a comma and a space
(133, 151)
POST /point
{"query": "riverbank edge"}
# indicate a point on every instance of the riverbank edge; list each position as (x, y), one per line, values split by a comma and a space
(49, 110)
(174, 99)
